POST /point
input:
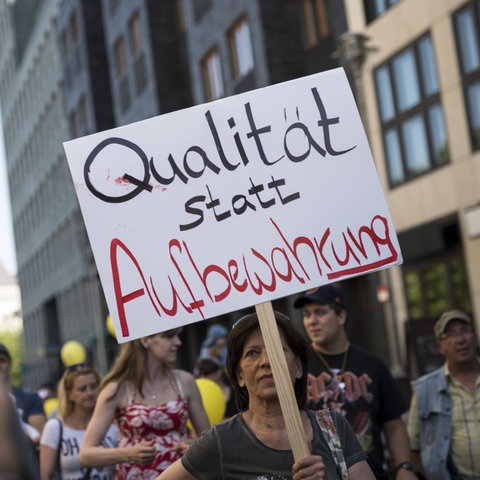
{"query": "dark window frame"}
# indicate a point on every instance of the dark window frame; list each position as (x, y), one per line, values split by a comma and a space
(371, 8)
(200, 7)
(421, 108)
(469, 79)
(420, 269)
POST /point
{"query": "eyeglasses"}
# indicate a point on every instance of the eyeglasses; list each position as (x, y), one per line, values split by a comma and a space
(77, 366)
(450, 334)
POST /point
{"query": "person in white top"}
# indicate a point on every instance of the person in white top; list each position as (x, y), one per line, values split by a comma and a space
(62, 436)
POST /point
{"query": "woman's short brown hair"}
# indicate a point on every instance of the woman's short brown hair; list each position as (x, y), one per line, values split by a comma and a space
(236, 341)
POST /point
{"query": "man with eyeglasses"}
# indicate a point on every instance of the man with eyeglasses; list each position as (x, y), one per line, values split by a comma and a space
(444, 418)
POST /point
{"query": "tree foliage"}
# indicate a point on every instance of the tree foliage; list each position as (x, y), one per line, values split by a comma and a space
(12, 339)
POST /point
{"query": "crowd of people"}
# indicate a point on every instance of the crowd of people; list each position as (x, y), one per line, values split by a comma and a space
(146, 419)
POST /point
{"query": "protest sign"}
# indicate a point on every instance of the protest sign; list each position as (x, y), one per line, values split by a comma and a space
(228, 204)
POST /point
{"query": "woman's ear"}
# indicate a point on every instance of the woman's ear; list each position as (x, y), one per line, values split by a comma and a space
(240, 379)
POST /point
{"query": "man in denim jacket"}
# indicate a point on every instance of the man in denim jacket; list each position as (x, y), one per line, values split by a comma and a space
(444, 419)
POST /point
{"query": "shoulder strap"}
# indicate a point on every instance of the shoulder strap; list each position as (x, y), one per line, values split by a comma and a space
(176, 382)
(130, 393)
(59, 448)
(329, 431)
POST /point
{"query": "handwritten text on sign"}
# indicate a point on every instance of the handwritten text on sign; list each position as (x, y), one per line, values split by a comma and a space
(225, 205)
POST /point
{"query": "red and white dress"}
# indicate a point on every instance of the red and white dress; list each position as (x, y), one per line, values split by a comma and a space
(166, 423)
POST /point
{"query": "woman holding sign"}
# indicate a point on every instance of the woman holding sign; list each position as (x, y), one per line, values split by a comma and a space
(254, 443)
(150, 402)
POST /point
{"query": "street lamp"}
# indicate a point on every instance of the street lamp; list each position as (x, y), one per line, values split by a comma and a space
(352, 52)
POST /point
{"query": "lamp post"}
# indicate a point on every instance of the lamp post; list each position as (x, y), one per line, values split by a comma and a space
(351, 52)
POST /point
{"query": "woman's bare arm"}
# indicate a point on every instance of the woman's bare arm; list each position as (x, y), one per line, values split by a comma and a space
(91, 453)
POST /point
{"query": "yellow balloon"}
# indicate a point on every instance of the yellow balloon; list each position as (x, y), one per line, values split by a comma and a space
(110, 327)
(72, 352)
(213, 399)
(50, 405)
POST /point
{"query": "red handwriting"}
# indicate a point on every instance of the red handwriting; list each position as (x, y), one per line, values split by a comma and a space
(298, 259)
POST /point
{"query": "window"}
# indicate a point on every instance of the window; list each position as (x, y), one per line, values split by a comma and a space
(74, 27)
(435, 274)
(72, 121)
(64, 44)
(82, 116)
(413, 126)
(65, 53)
(136, 47)
(121, 68)
(200, 7)
(134, 31)
(212, 76)
(70, 48)
(316, 21)
(241, 47)
(467, 31)
(375, 8)
(120, 57)
(437, 286)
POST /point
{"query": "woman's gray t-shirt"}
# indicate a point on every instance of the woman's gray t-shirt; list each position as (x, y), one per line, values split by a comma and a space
(231, 451)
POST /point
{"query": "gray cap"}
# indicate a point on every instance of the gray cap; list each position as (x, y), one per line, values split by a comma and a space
(446, 318)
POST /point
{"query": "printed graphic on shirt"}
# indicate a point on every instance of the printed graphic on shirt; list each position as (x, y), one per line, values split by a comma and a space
(69, 452)
(349, 395)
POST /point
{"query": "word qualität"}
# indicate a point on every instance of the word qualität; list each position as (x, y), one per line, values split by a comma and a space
(298, 144)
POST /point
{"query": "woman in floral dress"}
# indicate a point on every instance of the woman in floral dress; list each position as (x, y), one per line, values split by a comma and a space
(150, 402)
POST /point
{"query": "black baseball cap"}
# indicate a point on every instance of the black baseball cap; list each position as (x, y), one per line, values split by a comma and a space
(326, 294)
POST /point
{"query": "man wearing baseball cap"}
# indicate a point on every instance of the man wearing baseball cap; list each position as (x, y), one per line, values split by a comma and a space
(355, 382)
(444, 419)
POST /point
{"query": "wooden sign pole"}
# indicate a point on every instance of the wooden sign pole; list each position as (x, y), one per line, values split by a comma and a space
(286, 395)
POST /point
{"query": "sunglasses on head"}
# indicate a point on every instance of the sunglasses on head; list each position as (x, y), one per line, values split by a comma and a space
(76, 366)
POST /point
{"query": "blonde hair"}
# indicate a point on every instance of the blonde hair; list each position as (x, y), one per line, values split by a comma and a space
(66, 384)
(130, 364)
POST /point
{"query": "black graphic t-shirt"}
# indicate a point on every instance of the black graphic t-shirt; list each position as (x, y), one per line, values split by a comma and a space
(366, 394)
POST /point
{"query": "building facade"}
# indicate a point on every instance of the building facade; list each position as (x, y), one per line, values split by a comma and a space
(70, 68)
(421, 88)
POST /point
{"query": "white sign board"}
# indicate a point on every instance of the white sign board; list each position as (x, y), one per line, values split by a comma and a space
(229, 204)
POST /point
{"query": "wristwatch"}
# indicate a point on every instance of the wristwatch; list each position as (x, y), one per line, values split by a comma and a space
(405, 466)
